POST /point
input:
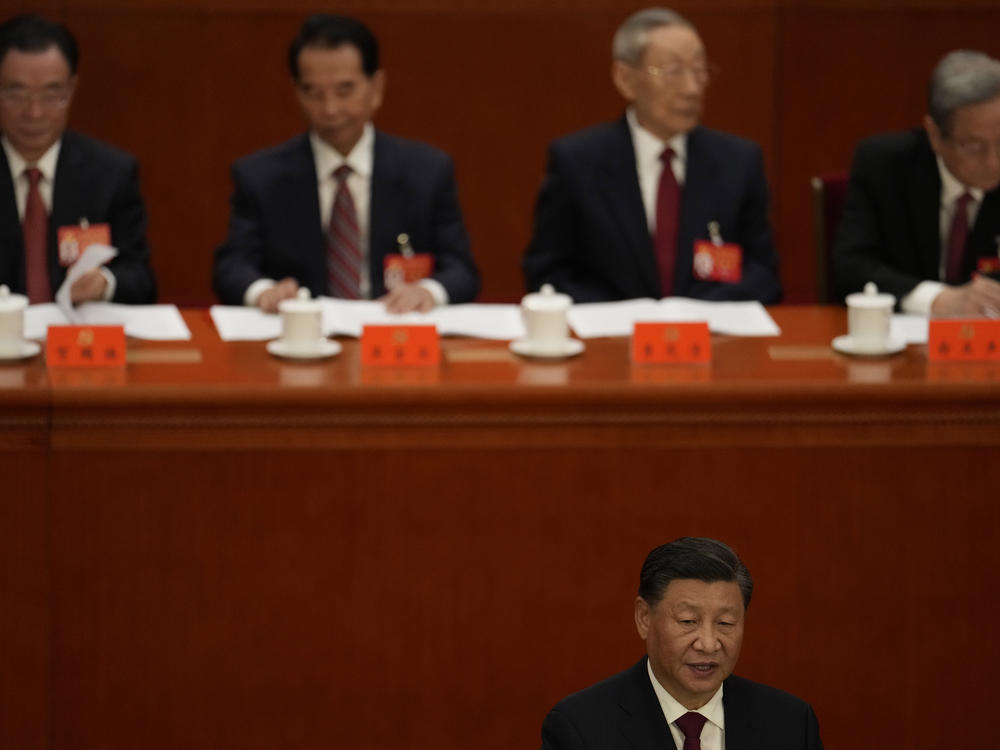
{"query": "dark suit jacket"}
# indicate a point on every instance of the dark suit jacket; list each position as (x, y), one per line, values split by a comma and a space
(97, 182)
(591, 239)
(890, 232)
(274, 226)
(622, 713)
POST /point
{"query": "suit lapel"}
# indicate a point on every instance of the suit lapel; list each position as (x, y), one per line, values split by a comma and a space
(300, 198)
(384, 216)
(923, 192)
(11, 239)
(700, 173)
(643, 723)
(984, 241)
(741, 723)
(618, 184)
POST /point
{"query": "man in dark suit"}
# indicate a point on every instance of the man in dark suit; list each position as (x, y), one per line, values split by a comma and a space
(52, 178)
(618, 215)
(693, 596)
(922, 212)
(325, 209)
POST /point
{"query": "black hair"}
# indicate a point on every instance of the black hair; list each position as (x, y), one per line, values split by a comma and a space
(701, 559)
(329, 31)
(32, 33)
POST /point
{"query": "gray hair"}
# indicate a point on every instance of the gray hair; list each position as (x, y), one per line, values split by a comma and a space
(630, 39)
(960, 79)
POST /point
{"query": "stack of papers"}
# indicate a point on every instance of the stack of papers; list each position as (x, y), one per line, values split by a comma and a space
(348, 317)
(151, 322)
(594, 319)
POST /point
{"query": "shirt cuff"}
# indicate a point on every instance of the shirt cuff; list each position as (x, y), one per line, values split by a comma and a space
(919, 301)
(109, 290)
(252, 295)
(436, 289)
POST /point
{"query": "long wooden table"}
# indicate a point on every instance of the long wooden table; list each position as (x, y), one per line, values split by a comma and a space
(216, 548)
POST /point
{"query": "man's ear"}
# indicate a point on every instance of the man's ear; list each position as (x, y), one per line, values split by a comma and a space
(623, 77)
(642, 611)
(933, 133)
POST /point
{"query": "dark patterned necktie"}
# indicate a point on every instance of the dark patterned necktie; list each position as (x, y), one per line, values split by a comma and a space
(35, 226)
(956, 239)
(690, 724)
(668, 200)
(343, 252)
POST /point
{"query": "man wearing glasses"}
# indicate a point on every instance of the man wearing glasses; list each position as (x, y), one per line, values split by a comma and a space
(52, 178)
(653, 204)
(922, 212)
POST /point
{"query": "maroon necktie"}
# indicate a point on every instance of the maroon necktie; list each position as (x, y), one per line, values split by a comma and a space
(36, 222)
(668, 200)
(690, 724)
(956, 239)
(343, 252)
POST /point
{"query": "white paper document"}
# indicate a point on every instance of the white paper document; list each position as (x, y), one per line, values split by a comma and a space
(93, 257)
(911, 329)
(150, 322)
(594, 319)
(348, 317)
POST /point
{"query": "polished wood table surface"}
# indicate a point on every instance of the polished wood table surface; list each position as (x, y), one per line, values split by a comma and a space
(217, 548)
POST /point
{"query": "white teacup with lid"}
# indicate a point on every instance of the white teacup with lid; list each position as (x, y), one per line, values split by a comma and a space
(301, 323)
(869, 314)
(12, 307)
(544, 313)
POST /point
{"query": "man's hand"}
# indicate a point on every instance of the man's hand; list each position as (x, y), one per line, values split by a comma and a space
(408, 298)
(89, 287)
(284, 289)
(981, 296)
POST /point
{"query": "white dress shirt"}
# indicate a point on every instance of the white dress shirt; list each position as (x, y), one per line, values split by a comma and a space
(713, 734)
(920, 299)
(648, 149)
(46, 164)
(359, 184)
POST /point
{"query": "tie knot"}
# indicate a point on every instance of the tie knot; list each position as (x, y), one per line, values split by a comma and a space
(963, 201)
(691, 724)
(667, 156)
(34, 175)
(342, 172)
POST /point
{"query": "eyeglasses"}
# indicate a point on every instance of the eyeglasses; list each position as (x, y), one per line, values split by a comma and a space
(673, 73)
(974, 148)
(53, 97)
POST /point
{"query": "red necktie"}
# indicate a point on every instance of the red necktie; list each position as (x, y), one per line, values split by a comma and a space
(956, 239)
(690, 724)
(668, 199)
(343, 251)
(36, 223)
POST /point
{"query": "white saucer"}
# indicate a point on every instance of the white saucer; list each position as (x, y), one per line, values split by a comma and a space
(324, 348)
(529, 348)
(845, 345)
(28, 349)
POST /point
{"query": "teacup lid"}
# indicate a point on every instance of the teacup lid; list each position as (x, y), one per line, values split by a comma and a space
(871, 297)
(11, 302)
(547, 298)
(301, 302)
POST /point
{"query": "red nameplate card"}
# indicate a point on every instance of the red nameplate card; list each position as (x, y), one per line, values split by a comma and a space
(988, 265)
(85, 346)
(671, 342)
(966, 340)
(402, 269)
(400, 345)
(73, 240)
(718, 262)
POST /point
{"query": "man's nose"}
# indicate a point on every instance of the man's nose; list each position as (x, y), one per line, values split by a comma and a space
(707, 640)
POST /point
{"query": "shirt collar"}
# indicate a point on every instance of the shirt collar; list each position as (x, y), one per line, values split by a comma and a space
(360, 159)
(46, 164)
(673, 710)
(951, 188)
(648, 147)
